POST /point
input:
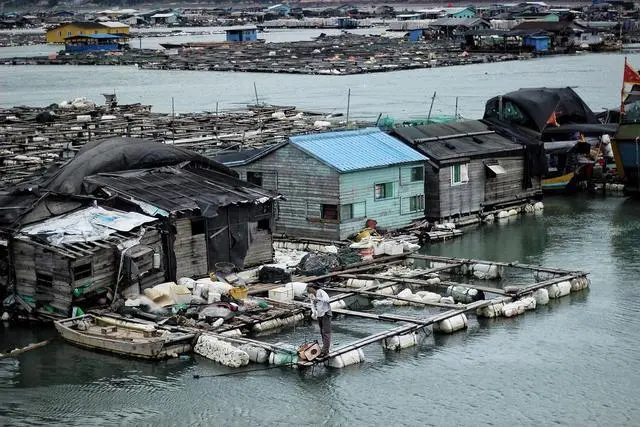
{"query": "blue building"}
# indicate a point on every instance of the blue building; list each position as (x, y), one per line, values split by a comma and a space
(415, 35)
(95, 42)
(242, 34)
(538, 42)
(333, 182)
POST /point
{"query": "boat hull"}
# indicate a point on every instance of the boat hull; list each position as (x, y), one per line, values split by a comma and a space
(152, 348)
(626, 150)
(559, 183)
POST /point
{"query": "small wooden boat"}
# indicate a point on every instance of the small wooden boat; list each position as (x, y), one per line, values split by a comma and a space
(558, 183)
(124, 338)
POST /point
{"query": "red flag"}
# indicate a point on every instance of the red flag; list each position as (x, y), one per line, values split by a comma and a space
(631, 76)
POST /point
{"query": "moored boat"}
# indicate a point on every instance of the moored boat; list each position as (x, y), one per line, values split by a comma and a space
(124, 338)
(626, 143)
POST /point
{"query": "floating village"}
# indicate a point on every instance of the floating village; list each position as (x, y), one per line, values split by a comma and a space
(153, 235)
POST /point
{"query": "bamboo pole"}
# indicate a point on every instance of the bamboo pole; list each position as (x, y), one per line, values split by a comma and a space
(18, 351)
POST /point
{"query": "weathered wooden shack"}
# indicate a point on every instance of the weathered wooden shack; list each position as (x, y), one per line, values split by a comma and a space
(70, 235)
(471, 169)
(84, 253)
(334, 181)
(209, 216)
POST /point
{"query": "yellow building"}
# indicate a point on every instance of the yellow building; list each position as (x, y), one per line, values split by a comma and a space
(62, 31)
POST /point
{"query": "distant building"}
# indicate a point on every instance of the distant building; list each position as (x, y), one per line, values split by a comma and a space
(95, 42)
(539, 43)
(459, 12)
(279, 9)
(242, 34)
(61, 32)
(164, 18)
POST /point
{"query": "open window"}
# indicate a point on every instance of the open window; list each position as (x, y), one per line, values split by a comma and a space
(417, 174)
(330, 212)
(383, 191)
(82, 271)
(255, 178)
(197, 226)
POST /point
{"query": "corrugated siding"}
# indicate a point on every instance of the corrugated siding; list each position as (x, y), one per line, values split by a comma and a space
(358, 187)
(306, 183)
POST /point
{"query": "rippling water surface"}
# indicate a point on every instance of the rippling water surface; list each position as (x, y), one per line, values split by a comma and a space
(573, 362)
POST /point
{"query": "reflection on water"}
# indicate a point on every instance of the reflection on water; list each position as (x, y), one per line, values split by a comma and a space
(572, 362)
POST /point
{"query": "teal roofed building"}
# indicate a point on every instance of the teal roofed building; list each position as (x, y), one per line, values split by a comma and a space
(333, 182)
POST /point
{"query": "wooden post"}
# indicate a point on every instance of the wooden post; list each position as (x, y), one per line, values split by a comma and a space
(433, 99)
(348, 105)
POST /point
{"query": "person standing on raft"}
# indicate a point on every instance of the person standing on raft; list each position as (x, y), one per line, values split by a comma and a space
(321, 310)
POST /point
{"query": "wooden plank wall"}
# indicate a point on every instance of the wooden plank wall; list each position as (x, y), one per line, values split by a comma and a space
(148, 275)
(508, 185)
(260, 246)
(306, 184)
(190, 251)
(462, 199)
(432, 208)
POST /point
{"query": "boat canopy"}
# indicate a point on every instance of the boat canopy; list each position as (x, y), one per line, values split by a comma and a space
(539, 108)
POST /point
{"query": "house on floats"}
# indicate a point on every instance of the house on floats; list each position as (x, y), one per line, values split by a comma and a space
(60, 33)
(248, 33)
(471, 169)
(333, 182)
(126, 213)
(96, 42)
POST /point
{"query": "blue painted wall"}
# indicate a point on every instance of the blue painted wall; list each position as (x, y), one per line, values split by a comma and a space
(242, 35)
(358, 188)
(539, 43)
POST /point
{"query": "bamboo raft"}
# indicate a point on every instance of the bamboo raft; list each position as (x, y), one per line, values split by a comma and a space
(33, 138)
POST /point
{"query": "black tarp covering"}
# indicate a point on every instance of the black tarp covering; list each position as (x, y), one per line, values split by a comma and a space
(532, 107)
(120, 154)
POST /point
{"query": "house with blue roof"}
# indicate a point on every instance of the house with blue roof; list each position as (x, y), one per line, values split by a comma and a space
(333, 182)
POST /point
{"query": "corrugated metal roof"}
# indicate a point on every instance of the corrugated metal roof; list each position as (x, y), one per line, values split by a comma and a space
(448, 141)
(175, 189)
(353, 150)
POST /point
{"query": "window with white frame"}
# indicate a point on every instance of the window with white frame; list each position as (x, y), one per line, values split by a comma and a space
(460, 174)
(383, 191)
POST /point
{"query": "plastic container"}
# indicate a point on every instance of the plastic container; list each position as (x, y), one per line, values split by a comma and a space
(281, 294)
(399, 342)
(452, 324)
(352, 357)
(239, 293)
(490, 311)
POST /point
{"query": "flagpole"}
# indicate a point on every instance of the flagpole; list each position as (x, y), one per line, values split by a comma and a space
(622, 91)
